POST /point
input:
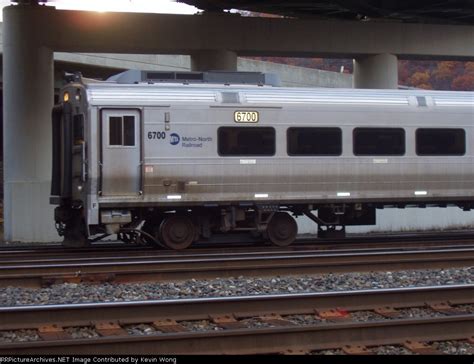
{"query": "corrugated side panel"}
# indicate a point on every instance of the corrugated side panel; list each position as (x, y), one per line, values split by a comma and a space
(355, 97)
(148, 95)
(155, 94)
(327, 97)
(455, 99)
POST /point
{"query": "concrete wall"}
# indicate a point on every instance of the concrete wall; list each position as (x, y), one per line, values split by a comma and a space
(289, 75)
(292, 76)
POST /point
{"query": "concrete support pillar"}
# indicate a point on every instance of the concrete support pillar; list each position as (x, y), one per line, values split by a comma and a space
(380, 71)
(214, 60)
(28, 99)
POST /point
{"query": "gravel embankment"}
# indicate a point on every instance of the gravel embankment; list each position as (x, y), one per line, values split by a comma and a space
(224, 287)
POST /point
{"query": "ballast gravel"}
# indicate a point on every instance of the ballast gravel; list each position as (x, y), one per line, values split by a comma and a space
(418, 312)
(19, 335)
(304, 319)
(466, 308)
(69, 293)
(83, 332)
(363, 316)
(391, 350)
(328, 352)
(140, 329)
(200, 325)
(454, 347)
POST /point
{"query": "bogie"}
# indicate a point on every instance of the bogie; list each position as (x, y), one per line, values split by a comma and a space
(282, 229)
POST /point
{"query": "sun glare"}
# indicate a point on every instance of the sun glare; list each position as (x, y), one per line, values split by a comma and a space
(136, 6)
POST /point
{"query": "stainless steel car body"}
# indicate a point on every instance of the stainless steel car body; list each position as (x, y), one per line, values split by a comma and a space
(175, 160)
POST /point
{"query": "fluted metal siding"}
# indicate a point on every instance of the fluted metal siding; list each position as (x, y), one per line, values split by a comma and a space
(152, 94)
(147, 95)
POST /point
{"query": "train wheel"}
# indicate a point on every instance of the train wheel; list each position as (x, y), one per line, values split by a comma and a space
(282, 229)
(177, 232)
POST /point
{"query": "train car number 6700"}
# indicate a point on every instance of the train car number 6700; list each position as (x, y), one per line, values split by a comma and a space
(246, 116)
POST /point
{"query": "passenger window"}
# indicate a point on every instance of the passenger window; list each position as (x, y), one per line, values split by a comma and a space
(115, 130)
(314, 141)
(129, 130)
(440, 141)
(246, 141)
(122, 130)
(379, 141)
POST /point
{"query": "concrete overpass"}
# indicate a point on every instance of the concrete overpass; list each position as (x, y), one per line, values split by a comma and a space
(401, 11)
(103, 65)
(33, 33)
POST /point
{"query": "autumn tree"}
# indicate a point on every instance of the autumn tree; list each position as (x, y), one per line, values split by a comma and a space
(469, 67)
(420, 80)
(464, 82)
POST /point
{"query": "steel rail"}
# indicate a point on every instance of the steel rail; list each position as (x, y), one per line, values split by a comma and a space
(24, 317)
(302, 243)
(259, 341)
(43, 258)
(35, 275)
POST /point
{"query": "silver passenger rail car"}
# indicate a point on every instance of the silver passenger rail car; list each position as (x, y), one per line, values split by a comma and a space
(172, 162)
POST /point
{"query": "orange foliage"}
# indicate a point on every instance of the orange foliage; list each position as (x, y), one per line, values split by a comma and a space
(444, 70)
(425, 86)
(469, 67)
(419, 78)
(463, 83)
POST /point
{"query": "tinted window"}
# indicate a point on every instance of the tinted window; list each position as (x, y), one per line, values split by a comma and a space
(379, 141)
(129, 130)
(122, 130)
(314, 141)
(440, 142)
(243, 141)
(115, 130)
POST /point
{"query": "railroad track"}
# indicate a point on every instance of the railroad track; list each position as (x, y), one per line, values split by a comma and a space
(298, 323)
(143, 266)
(235, 244)
(240, 243)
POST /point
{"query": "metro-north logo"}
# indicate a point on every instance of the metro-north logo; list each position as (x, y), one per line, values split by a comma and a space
(174, 139)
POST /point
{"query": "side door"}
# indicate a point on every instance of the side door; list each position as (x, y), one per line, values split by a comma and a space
(121, 152)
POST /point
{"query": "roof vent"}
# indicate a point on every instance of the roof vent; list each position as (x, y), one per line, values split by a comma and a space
(421, 101)
(215, 77)
(230, 98)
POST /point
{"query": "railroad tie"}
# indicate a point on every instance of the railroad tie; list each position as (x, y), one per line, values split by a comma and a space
(168, 326)
(421, 348)
(227, 322)
(356, 350)
(443, 307)
(53, 332)
(387, 311)
(336, 314)
(275, 320)
(108, 328)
